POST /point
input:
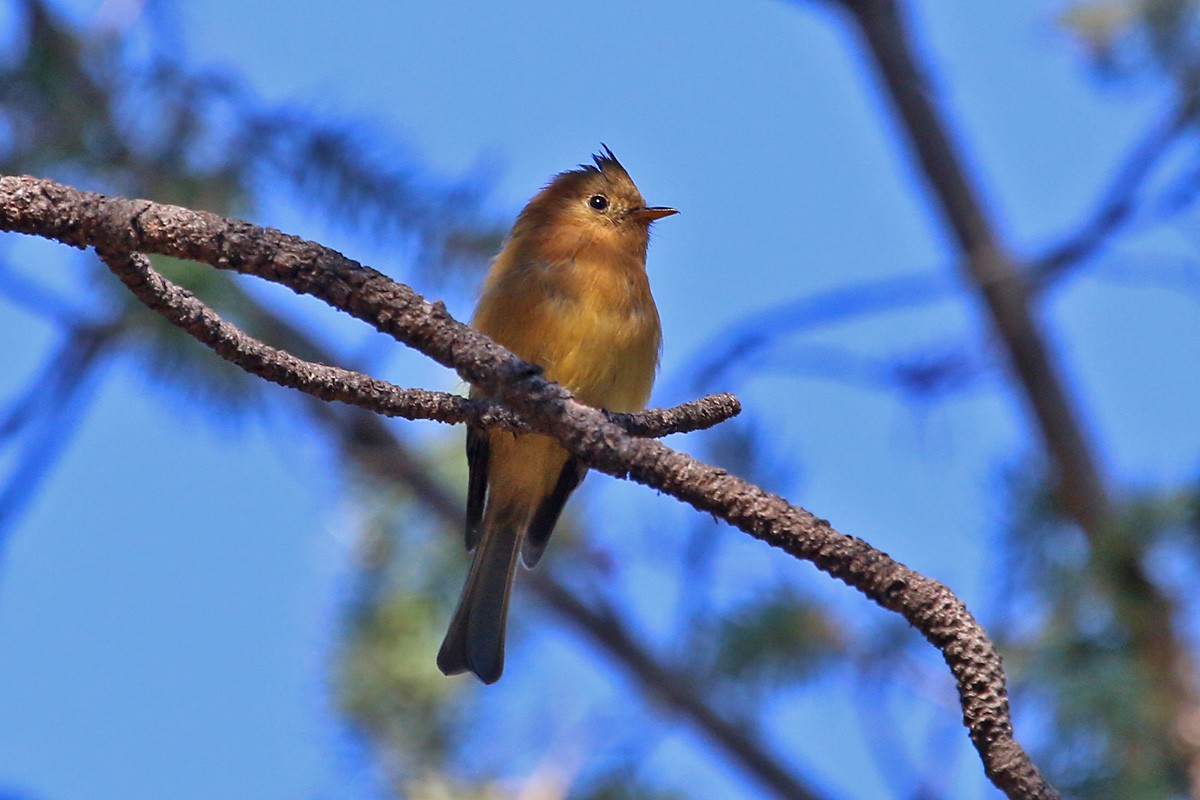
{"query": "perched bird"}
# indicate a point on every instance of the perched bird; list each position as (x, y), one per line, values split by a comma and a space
(568, 292)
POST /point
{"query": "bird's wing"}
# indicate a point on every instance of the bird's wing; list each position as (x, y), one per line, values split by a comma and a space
(548, 511)
(478, 454)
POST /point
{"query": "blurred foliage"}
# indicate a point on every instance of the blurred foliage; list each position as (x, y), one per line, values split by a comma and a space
(776, 638)
(625, 784)
(1129, 38)
(1072, 647)
(404, 592)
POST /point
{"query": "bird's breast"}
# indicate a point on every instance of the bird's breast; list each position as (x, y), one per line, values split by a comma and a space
(591, 323)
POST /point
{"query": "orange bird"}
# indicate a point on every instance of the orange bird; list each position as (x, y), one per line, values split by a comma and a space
(567, 292)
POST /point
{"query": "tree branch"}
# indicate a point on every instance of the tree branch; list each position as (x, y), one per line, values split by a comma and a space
(1118, 203)
(988, 265)
(82, 219)
(676, 693)
(759, 330)
(185, 310)
(1144, 611)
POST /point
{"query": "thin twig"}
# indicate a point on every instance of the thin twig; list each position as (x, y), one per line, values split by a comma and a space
(829, 307)
(188, 312)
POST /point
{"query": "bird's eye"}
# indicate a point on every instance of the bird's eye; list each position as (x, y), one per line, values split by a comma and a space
(598, 202)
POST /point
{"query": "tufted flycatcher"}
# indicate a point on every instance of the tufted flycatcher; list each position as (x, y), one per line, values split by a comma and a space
(569, 293)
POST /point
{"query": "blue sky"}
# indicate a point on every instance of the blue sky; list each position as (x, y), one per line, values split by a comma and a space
(180, 650)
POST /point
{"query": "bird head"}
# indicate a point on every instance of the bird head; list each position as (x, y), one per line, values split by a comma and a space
(595, 203)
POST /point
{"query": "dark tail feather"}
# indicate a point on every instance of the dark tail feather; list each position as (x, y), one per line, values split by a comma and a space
(475, 640)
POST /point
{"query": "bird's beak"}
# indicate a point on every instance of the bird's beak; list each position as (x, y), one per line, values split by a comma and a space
(651, 213)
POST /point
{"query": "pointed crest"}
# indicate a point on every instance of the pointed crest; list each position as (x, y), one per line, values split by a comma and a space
(607, 163)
